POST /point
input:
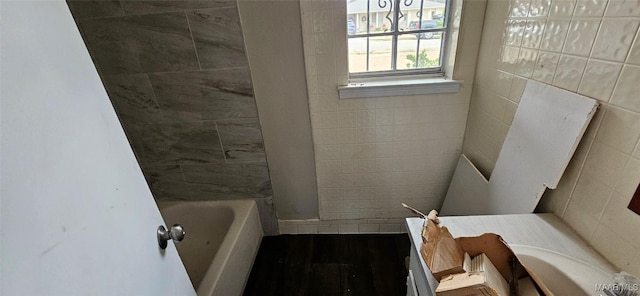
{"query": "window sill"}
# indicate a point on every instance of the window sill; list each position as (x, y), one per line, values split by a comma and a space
(397, 87)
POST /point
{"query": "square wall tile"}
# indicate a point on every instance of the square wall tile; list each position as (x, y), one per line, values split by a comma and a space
(517, 88)
(634, 54)
(545, 67)
(167, 182)
(403, 116)
(581, 35)
(368, 228)
(392, 228)
(327, 228)
(157, 6)
(621, 220)
(622, 8)
(241, 140)
(500, 82)
(178, 143)
(324, 120)
(205, 95)
(555, 32)
(133, 98)
(366, 118)
(583, 223)
(365, 135)
(539, 8)
(599, 79)
(612, 246)
(384, 116)
(614, 39)
(626, 92)
(629, 180)
(229, 180)
(287, 228)
(507, 59)
(533, 31)
(347, 228)
(562, 8)
(307, 229)
(569, 72)
(634, 265)
(605, 163)
(620, 129)
(526, 62)
(88, 9)
(513, 32)
(347, 119)
(218, 37)
(519, 8)
(590, 195)
(384, 133)
(140, 44)
(590, 8)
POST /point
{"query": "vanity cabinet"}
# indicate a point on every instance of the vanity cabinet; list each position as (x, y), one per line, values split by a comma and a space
(420, 281)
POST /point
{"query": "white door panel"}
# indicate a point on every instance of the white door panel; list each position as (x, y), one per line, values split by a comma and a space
(77, 217)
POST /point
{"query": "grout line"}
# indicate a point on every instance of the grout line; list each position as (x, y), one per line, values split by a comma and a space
(188, 71)
(193, 40)
(224, 155)
(125, 13)
(155, 97)
(184, 178)
(615, 85)
(606, 7)
(635, 39)
(595, 39)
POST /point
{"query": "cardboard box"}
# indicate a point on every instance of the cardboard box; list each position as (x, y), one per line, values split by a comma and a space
(444, 256)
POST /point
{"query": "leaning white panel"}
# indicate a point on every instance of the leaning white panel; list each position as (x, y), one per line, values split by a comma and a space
(468, 191)
(545, 132)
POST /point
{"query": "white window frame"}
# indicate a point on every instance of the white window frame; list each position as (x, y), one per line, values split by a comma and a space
(395, 73)
(406, 82)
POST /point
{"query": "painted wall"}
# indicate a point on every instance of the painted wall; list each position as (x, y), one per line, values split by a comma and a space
(177, 75)
(588, 47)
(373, 154)
(277, 67)
(77, 216)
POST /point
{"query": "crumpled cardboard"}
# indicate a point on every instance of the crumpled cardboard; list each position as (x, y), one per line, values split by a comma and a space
(444, 256)
(440, 251)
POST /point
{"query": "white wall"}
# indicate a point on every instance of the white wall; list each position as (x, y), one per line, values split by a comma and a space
(588, 47)
(373, 154)
(77, 216)
(274, 50)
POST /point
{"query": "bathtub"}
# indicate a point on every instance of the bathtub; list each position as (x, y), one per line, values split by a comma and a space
(221, 242)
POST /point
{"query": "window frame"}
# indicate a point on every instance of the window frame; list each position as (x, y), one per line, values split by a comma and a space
(394, 72)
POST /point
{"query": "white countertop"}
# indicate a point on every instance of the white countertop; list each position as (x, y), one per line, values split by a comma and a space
(539, 230)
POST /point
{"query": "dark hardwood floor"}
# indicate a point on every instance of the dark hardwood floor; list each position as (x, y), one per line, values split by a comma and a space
(328, 264)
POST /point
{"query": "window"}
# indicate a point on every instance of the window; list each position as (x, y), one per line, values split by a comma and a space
(395, 37)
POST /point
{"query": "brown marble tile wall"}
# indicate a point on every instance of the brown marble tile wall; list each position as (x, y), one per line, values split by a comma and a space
(177, 75)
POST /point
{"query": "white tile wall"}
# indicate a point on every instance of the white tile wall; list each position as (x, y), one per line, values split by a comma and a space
(342, 226)
(373, 154)
(590, 47)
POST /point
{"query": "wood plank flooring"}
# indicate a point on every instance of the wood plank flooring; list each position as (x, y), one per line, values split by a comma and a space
(330, 264)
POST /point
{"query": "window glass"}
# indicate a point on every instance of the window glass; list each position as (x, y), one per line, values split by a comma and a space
(378, 46)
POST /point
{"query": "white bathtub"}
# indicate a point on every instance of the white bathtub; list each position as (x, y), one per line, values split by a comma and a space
(221, 242)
